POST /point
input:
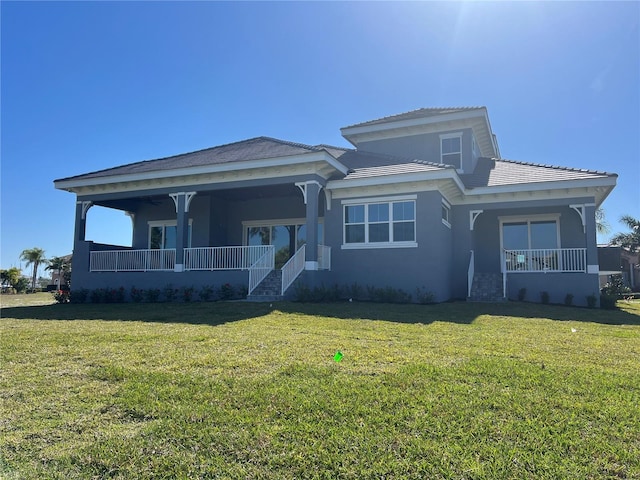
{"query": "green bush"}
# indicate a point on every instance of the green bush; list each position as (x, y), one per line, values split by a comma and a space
(423, 296)
(78, 296)
(61, 296)
(591, 300)
(170, 293)
(152, 295)
(522, 293)
(615, 287)
(136, 294)
(608, 301)
(544, 297)
(226, 292)
(568, 299)
(206, 293)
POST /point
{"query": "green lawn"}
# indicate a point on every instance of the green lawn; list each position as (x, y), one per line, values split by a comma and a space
(242, 390)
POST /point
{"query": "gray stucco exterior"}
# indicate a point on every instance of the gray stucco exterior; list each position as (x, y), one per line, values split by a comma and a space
(212, 195)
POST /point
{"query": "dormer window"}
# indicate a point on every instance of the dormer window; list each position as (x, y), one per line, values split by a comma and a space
(451, 149)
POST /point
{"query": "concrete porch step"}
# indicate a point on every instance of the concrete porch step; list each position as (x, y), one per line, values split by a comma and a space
(486, 287)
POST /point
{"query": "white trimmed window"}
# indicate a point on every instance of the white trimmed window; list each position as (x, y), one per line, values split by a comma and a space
(533, 232)
(451, 149)
(379, 223)
(163, 234)
(446, 213)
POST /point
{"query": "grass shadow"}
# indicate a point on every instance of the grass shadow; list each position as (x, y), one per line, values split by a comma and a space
(217, 313)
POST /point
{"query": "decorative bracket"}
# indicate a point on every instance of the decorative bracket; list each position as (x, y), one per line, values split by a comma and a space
(86, 205)
(303, 188)
(188, 196)
(581, 211)
(473, 215)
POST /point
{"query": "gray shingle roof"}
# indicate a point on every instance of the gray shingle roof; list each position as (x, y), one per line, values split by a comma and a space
(397, 169)
(252, 149)
(419, 113)
(491, 172)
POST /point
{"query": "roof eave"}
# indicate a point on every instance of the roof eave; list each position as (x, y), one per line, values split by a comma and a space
(70, 184)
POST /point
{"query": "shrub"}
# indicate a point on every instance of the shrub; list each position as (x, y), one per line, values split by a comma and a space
(226, 292)
(61, 296)
(78, 296)
(242, 291)
(608, 301)
(136, 294)
(170, 293)
(591, 300)
(187, 293)
(355, 292)
(424, 296)
(152, 295)
(206, 292)
(522, 293)
(113, 295)
(21, 285)
(544, 297)
(568, 299)
(97, 295)
(615, 287)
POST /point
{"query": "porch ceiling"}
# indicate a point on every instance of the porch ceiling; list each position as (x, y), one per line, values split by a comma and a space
(232, 194)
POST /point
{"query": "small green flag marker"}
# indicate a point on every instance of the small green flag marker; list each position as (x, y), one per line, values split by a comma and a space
(338, 356)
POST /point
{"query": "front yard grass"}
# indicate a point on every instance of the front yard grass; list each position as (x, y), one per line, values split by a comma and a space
(245, 390)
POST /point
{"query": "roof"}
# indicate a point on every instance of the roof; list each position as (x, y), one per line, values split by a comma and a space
(252, 149)
(396, 169)
(492, 172)
(419, 113)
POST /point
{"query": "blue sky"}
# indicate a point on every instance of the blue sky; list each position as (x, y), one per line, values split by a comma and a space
(92, 85)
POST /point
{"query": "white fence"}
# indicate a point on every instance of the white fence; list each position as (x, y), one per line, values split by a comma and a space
(261, 268)
(293, 268)
(223, 258)
(545, 260)
(132, 260)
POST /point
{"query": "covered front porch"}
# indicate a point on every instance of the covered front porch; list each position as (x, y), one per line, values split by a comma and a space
(542, 251)
(208, 236)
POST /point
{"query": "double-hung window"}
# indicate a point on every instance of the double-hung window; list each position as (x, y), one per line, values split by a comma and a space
(380, 222)
(451, 149)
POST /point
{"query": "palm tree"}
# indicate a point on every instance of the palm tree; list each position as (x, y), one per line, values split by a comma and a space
(630, 241)
(602, 226)
(33, 256)
(57, 264)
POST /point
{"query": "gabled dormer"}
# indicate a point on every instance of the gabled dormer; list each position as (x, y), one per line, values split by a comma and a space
(452, 136)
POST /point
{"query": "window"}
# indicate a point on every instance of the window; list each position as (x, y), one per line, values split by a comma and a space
(446, 212)
(530, 234)
(163, 234)
(287, 236)
(451, 149)
(381, 224)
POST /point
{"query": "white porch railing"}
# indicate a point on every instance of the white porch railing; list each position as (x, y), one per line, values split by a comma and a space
(293, 268)
(261, 268)
(545, 260)
(324, 257)
(223, 258)
(470, 274)
(132, 260)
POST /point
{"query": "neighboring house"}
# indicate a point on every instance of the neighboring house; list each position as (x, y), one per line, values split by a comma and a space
(615, 260)
(422, 201)
(57, 278)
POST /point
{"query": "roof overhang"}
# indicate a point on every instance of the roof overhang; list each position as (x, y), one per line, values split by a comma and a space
(319, 163)
(476, 119)
(450, 185)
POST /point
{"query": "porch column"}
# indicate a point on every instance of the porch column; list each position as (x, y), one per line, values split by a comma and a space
(181, 201)
(310, 192)
(590, 235)
(82, 207)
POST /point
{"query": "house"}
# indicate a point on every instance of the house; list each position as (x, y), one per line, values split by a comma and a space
(616, 260)
(423, 200)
